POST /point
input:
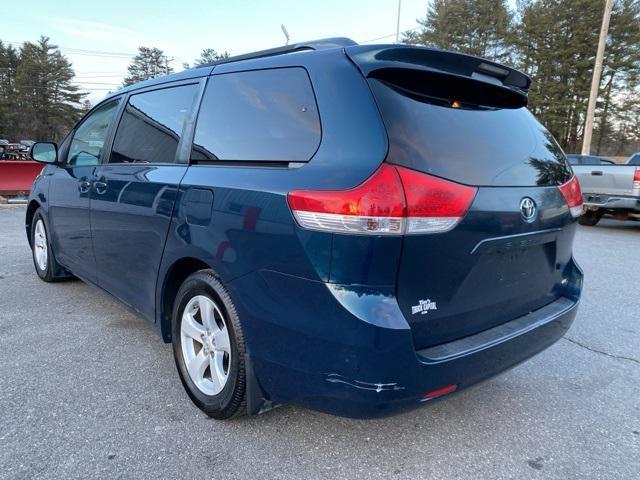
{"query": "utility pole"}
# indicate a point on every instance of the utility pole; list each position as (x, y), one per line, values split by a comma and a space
(166, 63)
(595, 81)
(398, 22)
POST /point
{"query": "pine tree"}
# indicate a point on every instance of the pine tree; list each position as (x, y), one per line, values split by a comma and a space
(8, 66)
(209, 55)
(620, 76)
(553, 41)
(556, 44)
(148, 63)
(46, 101)
(476, 27)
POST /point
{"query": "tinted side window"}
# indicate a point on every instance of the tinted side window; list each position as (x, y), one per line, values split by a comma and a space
(151, 125)
(263, 115)
(89, 137)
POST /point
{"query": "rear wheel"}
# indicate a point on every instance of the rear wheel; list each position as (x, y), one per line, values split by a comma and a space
(590, 218)
(208, 346)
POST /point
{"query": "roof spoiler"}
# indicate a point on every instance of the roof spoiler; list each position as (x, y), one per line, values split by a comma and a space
(370, 58)
(296, 47)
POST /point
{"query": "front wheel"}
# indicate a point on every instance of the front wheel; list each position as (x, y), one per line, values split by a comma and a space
(590, 218)
(208, 346)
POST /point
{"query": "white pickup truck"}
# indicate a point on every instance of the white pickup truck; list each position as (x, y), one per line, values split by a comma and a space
(607, 188)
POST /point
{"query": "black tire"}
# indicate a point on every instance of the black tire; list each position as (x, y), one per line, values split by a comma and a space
(231, 400)
(53, 271)
(590, 218)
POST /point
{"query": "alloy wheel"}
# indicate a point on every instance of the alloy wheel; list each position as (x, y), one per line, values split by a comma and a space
(206, 345)
(40, 247)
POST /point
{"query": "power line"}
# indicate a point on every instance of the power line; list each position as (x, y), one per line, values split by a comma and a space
(91, 53)
(81, 51)
(390, 35)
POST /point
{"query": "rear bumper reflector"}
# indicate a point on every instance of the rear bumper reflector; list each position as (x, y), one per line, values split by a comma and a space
(439, 392)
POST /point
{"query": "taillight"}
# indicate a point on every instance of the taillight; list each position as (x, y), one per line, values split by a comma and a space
(636, 178)
(393, 201)
(433, 204)
(573, 196)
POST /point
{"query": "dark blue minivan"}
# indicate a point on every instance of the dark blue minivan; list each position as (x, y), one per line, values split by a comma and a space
(356, 229)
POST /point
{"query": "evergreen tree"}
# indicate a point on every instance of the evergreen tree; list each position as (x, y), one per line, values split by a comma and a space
(476, 27)
(148, 63)
(556, 46)
(554, 42)
(209, 55)
(8, 66)
(46, 103)
(620, 76)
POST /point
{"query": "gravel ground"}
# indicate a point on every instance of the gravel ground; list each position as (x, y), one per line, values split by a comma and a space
(87, 390)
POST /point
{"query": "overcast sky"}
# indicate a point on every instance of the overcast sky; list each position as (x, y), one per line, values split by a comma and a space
(100, 38)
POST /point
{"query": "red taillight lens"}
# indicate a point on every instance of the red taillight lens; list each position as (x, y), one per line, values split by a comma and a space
(379, 195)
(573, 196)
(636, 178)
(375, 206)
(433, 204)
(393, 201)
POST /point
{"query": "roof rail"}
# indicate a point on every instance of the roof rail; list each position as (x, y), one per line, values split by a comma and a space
(296, 47)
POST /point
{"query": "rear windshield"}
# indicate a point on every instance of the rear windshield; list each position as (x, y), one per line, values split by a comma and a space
(468, 144)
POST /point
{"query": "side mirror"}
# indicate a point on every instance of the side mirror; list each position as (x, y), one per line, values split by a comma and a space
(44, 152)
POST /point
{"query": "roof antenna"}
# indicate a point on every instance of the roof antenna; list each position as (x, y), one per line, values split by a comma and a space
(286, 34)
(398, 22)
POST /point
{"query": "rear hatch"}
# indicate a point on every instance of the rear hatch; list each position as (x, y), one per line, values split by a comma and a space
(463, 119)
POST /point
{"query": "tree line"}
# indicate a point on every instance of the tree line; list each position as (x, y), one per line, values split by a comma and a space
(554, 42)
(38, 97)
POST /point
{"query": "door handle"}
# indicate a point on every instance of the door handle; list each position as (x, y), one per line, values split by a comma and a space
(84, 186)
(597, 173)
(100, 186)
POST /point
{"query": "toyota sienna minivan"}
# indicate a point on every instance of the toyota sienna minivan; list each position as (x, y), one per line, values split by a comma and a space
(358, 229)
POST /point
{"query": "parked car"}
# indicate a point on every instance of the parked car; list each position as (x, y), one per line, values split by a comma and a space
(608, 189)
(633, 159)
(575, 159)
(356, 229)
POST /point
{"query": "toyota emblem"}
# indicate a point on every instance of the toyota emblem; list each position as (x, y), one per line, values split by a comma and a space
(528, 209)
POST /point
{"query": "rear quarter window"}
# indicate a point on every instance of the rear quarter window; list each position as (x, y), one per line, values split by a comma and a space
(263, 116)
(479, 146)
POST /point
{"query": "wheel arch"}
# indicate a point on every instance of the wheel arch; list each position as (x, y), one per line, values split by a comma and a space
(173, 279)
(31, 211)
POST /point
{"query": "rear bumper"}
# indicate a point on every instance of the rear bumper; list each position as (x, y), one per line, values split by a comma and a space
(607, 202)
(369, 368)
